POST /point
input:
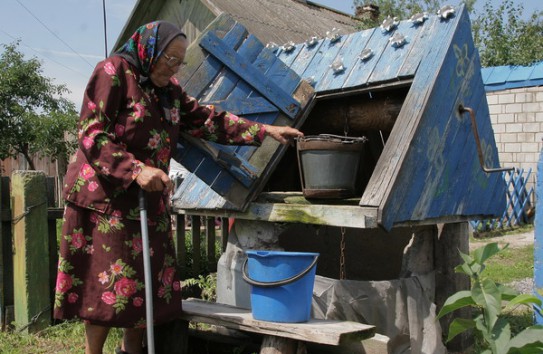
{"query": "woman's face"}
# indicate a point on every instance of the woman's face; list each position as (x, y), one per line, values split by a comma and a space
(169, 62)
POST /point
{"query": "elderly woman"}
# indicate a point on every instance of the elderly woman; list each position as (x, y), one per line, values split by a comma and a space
(133, 111)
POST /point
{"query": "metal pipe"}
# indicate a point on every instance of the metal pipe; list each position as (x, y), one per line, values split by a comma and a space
(471, 112)
(147, 274)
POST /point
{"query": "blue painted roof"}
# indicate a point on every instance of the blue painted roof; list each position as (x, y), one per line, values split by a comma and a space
(505, 77)
(386, 63)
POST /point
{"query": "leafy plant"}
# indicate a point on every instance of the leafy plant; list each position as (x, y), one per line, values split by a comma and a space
(208, 285)
(491, 301)
(189, 260)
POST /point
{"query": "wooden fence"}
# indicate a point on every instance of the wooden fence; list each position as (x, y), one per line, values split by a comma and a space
(30, 215)
(519, 209)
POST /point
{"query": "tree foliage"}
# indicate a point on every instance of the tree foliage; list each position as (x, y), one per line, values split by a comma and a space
(402, 9)
(35, 120)
(504, 38)
(501, 34)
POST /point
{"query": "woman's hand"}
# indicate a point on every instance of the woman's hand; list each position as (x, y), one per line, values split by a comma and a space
(283, 134)
(153, 179)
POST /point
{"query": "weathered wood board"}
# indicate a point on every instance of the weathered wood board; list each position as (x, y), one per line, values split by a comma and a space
(329, 332)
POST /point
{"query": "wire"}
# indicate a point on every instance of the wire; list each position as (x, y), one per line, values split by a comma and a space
(43, 55)
(54, 34)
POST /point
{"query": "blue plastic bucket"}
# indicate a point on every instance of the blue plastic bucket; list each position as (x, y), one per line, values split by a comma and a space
(281, 284)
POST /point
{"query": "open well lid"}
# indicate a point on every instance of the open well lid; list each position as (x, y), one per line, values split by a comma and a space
(234, 71)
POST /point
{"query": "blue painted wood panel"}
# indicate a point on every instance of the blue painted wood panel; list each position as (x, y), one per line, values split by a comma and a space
(538, 245)
(286, 79)
(419, 46)
(393, 57)
(361, 73)
(243, 68)
(351, 59)
(348, 54)
(303, 59)
(440, 131)
(440, 174)
(210, 68)
(240, 75)
(402, 135)
(227, 80)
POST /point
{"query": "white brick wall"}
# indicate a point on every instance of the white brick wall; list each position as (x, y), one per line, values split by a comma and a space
(517, 120)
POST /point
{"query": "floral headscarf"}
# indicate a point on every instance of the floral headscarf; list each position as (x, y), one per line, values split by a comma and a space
(147, 44)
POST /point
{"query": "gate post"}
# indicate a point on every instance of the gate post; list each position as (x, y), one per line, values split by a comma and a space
(32, 300)
(538, 242)
(6, 258)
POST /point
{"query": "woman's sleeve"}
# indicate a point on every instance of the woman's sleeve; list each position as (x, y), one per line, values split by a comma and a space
(104, 98)
(221, 127)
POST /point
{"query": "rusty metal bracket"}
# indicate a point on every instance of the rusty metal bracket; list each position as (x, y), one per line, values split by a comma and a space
(471, 112)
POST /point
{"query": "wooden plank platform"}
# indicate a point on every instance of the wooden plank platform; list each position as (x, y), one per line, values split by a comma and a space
(292, 207)
(328, 332)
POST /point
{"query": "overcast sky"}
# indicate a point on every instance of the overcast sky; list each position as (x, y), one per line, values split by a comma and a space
(67, 36)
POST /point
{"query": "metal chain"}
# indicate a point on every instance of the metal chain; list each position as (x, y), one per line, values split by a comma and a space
(342, 255)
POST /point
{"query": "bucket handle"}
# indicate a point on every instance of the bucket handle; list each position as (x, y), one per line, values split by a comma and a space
(272, 284)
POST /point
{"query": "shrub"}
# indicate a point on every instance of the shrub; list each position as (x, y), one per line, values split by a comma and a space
(491, 301)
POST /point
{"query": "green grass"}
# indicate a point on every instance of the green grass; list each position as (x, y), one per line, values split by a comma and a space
(511, 264)
(65, 338)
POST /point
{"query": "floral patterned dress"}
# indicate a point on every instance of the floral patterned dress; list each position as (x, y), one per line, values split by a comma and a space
(123, 127)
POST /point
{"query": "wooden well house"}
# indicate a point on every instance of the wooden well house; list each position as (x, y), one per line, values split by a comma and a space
(413, 88)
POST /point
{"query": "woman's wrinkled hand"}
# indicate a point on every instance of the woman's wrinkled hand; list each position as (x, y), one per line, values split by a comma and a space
(153, 179)
(283, 134)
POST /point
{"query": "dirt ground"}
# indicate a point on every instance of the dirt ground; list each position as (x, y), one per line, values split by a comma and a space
(515, 240)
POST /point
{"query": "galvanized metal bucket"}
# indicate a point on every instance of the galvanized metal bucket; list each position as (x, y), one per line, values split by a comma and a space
(329, 165)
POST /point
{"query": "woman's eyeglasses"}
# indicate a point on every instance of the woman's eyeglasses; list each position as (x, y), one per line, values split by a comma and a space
(173, 61)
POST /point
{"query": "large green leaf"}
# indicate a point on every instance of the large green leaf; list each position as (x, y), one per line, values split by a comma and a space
(481, 254)
(483, 329)
(459, 325)
(501, 334)
(529, 341)
(486, 294)
(465, 268)
(508, 293)
(454, 302)
(523, 299)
